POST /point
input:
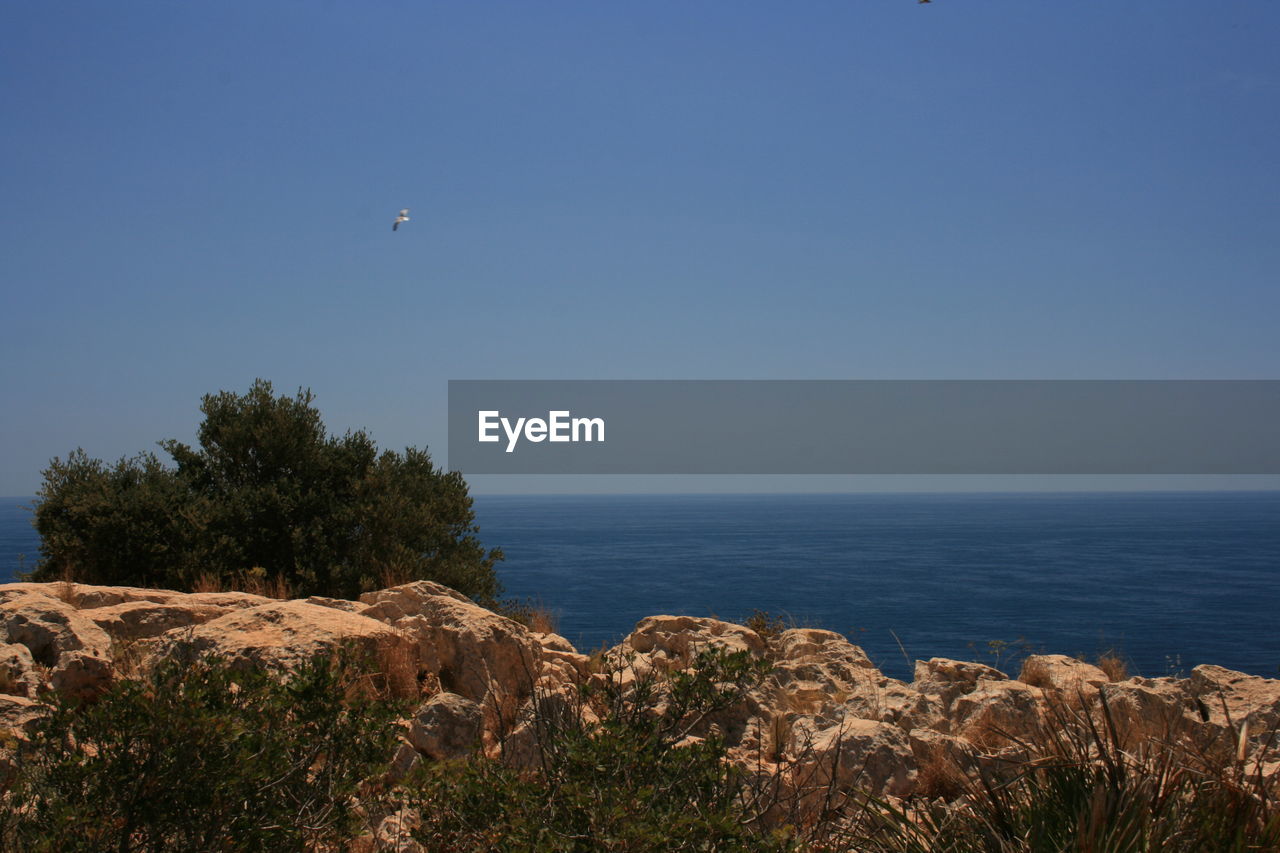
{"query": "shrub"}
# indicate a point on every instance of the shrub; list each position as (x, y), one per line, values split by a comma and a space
(626, 765)
(195, 756)
(268, 496)
(1087, 784)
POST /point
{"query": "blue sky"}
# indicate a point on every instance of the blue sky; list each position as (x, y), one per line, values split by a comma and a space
(195, 195)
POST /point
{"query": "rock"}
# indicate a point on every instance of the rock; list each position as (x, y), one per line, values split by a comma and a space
(335, 603)
(1227, 697)
(554, 642)
(404, 761)
(1060, 672)
(675, 639)
(862, 755)
(821, 673)
(393, 832)
(1151, 707)
(939, 682)
(473, 652)
(59, 637)
(406, 599)
(136, 620)
(997, 711)
(18, 676)
(947, 671)
(446, 726)
(50, 627)
(19, 714)
(287, 634)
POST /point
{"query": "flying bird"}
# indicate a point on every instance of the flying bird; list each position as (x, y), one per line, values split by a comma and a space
(403, 217)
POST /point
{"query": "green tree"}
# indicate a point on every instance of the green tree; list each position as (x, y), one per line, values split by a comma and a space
(267, 490)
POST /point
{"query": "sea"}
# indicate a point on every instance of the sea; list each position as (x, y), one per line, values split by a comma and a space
(1166, 580)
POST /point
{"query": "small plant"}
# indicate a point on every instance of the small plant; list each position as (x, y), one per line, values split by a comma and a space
(1113, 665)
(766, 624)
(531, 613)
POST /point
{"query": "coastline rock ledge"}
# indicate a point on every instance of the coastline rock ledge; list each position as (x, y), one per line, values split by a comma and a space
(824, 713)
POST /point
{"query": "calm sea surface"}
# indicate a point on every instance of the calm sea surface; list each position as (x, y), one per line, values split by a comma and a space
(1172, 580)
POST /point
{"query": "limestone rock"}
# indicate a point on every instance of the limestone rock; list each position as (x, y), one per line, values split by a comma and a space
(1150, 707)
(822, 673)
(856, 755)
(18, 676)
(59, 637)
(1060, 672)
(1229, 697)
(286, 634)
(18, 713)
(136, 620)
(446, 726)
(676, 639)
(996, 710)
(473, 652)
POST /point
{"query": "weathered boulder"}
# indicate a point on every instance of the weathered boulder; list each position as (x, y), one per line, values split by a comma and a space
(854, 754)
(18, 676)
(939, 682)
(674, 640)
(471, 651)
(137, 620)
(996, 711)
(446, 726)
(1244, 702)
(821, 673)
(76, 650)
(1060, 672)
(394, 833)
(1151, 707)
(18, 713)
(286, 634)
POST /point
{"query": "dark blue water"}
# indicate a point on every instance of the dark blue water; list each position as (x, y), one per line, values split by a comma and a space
(1172, 580)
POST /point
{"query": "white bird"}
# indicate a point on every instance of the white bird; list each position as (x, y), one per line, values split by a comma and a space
(403, 217)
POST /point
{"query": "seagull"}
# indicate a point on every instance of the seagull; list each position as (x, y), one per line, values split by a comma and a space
(403, 217)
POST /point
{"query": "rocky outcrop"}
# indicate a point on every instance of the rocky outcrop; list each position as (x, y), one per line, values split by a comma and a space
(824, 717)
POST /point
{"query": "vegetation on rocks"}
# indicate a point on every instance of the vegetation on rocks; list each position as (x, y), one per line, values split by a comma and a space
(197, 756)
(138, 719)
(620, 764)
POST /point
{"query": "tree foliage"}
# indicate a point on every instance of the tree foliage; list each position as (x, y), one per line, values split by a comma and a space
(267, 490)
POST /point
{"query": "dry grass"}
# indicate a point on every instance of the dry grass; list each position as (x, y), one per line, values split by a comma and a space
(1115, 667)
(65, 590)
(1036, 673)
(254, 581)
(938, 776)
(531, 613)
(766, 624)
(208, 582)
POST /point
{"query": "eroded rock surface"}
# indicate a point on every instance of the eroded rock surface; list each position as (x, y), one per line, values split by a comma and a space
(823, 715)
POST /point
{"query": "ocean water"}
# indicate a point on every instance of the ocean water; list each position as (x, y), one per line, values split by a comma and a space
(1170, 580)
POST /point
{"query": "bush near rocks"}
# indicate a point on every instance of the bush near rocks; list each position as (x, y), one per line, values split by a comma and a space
(268, 500)
(197, 756)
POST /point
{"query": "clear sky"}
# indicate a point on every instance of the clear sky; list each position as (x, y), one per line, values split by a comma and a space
(194, 195)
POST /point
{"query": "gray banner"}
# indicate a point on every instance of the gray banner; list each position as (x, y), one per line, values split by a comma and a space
(864, 427)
